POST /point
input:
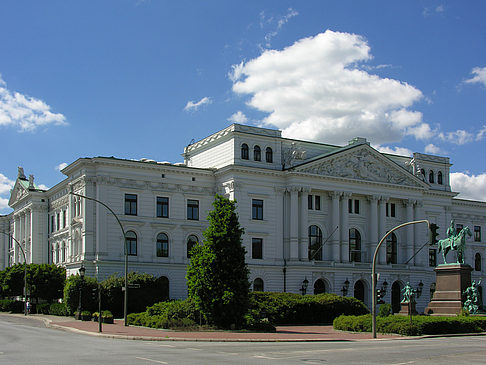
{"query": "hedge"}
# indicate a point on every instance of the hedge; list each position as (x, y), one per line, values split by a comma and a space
(14, 306)
(421, 325)
(289, 308)
(171, 314)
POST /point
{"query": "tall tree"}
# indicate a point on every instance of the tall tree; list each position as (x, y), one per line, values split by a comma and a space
(217, 276)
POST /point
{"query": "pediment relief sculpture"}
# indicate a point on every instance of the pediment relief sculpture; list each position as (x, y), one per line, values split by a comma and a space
(361, 165)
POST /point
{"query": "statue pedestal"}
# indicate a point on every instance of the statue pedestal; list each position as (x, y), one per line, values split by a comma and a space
(451, 281)
(406, 309)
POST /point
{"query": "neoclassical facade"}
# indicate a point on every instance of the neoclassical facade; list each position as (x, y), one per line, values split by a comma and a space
(311, 212)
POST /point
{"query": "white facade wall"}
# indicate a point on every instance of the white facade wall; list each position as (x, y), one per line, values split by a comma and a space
(376, 184)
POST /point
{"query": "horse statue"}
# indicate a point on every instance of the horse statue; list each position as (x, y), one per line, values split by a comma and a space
(455, 243)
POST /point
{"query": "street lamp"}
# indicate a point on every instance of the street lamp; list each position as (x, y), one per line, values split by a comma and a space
(304, 286)
(25, 268)
(125, 304)
(345, 288)
(82, 271)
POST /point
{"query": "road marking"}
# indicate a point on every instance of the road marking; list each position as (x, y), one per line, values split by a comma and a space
(157, 361)
(228, 353)
(404, 363)
(193, 348)
(166, 345)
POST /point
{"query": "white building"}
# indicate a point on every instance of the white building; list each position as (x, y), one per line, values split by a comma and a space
(310, 211)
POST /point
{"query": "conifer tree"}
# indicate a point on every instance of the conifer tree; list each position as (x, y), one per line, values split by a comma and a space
(217, 276)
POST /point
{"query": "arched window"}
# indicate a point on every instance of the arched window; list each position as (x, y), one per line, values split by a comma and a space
(63, 251)
(192, 241)
(244, 151)
(257, 153)
(258, 284)
(422, 171)
(319, 287)
(439, 178)
(315, 243)
(269, 155)
(359, 290)
(431, 176)
(354, 245)
(391, 249)
(57, 253)
(131, 242)
(477, 262)
(162, 245)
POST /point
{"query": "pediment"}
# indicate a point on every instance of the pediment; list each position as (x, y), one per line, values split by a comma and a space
(361, 163)
(18, 192)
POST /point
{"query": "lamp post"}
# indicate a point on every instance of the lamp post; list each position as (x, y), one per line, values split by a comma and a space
(25, 268)
(345, 288)
(82, 271)
(373, 270)
(305, 284)
(125, 300)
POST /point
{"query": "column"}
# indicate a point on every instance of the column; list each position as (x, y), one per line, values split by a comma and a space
(16, 235)
(409, 230)
(382, 228)
(294, 223)
(334, 239)
(344, 246)
(304, 213)
(373, 199)
(280, 223)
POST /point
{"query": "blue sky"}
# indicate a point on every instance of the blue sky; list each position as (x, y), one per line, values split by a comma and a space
(135, 79)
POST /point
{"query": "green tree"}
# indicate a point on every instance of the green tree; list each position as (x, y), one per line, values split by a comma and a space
(217, 276)
(46, 281)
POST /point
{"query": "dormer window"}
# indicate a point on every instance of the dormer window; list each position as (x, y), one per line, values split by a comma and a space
(269, 155)
(244, 151)
(257, 153)
(431, 176)
(439, 178)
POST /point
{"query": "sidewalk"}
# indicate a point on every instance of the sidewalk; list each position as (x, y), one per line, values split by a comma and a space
(283, 334)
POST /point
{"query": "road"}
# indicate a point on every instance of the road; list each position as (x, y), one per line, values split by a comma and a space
(27, 341)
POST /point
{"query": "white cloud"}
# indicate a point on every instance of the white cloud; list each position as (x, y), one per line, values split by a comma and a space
(470, 186)
(314, 90)
(25, 112)
(238, 117)
(402, 151)
(5, 184)
(43, 187)
(458, 137)
(481, 134)
(61, 166)
(433, 149)
(192, 105)
(277, 22)
(479, 76)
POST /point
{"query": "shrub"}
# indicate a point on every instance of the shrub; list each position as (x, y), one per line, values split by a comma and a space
(421, 325)
(289, 308)
(58, 309)
(42, 308)
(385, 310)
(8, 305)
(71, 293)
(173, 314)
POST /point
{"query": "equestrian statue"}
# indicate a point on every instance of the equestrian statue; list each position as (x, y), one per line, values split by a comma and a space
(454, 242)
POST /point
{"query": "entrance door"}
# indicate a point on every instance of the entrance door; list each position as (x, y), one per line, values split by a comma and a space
(396, 296)
(319, 287)
(359, 291)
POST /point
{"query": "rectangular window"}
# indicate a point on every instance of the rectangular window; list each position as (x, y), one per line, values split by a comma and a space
(432, 257)
(132, 247)
(318, 202)
(459, 228)
(257, 209)
(477, 233)
(390, 209)
(162, 207)
(257, 248)
(193, 210)
(310, 199)
(58, 223)
(353, 206)
(64, 218)
(53, 227)
(130, 204)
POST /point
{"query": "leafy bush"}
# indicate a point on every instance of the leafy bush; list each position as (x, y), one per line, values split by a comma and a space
(173, 314)
(71, 293)
(289, 308)
(421, 325)
(385, 310)
(8, 305)
(58, 309)
(151, 290)
(42, 308)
